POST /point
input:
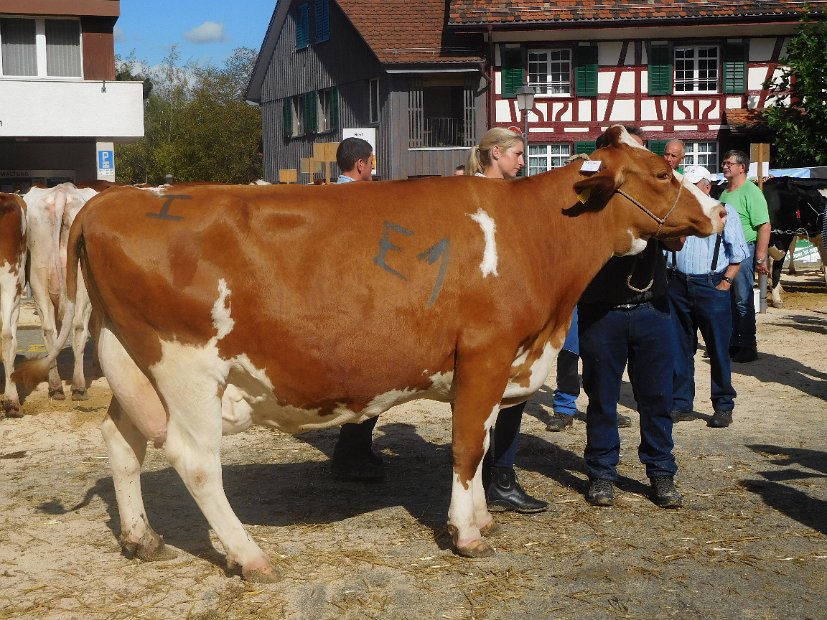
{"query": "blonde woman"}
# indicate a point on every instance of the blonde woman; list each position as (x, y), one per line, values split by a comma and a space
(499, 155)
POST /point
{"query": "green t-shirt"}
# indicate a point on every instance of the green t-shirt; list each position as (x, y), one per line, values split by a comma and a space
(751, 206)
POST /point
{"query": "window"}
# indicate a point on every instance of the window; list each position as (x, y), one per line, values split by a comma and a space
(374, 100)
(542, 157)
(327, 114)
(441, 112)
(321, 10)
(302, 26)
(294, 116)
(696, 69)
(702, 154)
(549, 71)
(23, 41)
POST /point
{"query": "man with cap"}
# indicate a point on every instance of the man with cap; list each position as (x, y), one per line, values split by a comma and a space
(701, 274)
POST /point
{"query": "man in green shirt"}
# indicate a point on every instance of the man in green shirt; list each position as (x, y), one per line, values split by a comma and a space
(748, 201)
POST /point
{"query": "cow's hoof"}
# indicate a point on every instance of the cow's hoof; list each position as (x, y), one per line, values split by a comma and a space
(11, 410)
(477, 548)
(150, 549)
(79, 394)
(490, 528)
(57, 394)
(261, 575)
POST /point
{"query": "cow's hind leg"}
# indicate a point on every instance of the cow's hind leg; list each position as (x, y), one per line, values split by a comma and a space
(135, 415)
(9, 314)
(127, 449)
(193, 448)
(80, 334)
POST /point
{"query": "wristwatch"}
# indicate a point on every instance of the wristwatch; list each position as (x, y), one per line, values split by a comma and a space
(727, 279)
(760, 261)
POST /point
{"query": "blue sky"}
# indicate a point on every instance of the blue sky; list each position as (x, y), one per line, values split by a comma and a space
(205, 31)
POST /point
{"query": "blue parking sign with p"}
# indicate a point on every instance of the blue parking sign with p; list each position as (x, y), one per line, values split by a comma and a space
(106, 161)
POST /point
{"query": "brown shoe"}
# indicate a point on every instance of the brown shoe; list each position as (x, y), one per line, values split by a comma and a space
(558, 422)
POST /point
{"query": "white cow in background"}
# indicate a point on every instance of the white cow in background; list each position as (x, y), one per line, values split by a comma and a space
(50, 214)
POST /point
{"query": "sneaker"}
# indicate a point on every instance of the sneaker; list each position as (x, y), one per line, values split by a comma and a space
(664, 493)
(720, 419)
(683, 416)
(623, 421)
(601, 492)
(559, 421)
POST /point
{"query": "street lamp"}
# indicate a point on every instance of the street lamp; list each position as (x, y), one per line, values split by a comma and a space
(525, 102)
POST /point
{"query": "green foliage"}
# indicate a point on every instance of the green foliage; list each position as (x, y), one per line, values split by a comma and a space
(197, 126)
(798, 115)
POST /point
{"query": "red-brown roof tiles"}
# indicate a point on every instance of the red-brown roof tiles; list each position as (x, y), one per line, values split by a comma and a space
(409, 31)
(583, 12)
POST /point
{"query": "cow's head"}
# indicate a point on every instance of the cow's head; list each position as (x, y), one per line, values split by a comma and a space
(646, 197)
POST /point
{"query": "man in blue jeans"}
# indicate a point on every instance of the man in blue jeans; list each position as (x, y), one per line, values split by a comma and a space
(624, 317)
(748, 201)
(701, 274)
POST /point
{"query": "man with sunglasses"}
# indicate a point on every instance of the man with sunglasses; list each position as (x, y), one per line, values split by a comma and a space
(751, 206)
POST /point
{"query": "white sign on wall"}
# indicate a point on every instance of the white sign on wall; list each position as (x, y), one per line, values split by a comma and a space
(105, 155)
(367, 134)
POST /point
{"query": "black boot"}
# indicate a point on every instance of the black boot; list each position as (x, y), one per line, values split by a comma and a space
(504, 492)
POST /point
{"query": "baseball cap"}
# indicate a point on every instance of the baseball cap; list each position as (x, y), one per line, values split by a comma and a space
(694, 174)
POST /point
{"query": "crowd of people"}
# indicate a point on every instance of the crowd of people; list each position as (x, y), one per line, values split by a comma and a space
(668, 293)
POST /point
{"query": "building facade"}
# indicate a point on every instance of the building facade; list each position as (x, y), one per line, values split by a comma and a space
(388, 71)
(694, 70)
(61, 112)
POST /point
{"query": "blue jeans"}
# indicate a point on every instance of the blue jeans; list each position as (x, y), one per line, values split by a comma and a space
(697, 305)
(568, 377)
(743, 304)
(608, 339)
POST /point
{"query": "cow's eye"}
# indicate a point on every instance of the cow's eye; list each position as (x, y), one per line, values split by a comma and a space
(663, 175)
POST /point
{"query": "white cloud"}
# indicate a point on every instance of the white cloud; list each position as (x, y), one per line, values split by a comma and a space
(208, 32)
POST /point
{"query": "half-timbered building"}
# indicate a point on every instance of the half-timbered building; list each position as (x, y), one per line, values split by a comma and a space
(61, 112)
(388, 70)
(694, 70)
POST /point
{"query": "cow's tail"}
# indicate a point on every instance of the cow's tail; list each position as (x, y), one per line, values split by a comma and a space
(31, 372)
(56, 220)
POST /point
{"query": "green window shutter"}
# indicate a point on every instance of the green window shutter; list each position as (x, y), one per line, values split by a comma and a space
(302, 26)
(310, 112)
(287, 110)
(735, 69)
(334, 108)
(513, 72)
(322, 15)
(657, 146)
(660, 70)
(587, 147)
(585, 71)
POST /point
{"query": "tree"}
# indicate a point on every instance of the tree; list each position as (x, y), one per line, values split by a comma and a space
(798, 115)
(197, 126)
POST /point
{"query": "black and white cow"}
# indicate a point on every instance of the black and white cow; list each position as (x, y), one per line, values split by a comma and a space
(796, 207)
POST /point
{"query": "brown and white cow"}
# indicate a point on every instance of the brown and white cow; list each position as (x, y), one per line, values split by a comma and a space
(12, 281)
(51, 212)
(305, 308)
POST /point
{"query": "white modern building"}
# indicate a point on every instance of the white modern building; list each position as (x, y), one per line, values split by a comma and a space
(61, 112)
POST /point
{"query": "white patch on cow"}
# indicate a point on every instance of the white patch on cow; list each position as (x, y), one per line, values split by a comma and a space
(221, 319)
(488, 266)
(461, 512)
(636, 244)
(489, 422)
(540, 370)
(626, 138)
(710, 206)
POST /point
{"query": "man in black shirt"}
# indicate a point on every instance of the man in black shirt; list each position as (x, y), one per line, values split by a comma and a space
(624, 317)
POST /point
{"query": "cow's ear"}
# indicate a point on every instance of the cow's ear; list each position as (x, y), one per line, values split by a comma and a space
(595, 191)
